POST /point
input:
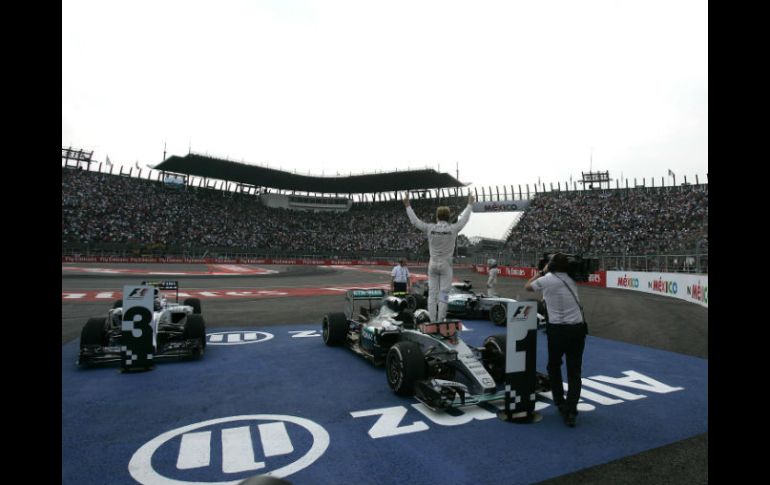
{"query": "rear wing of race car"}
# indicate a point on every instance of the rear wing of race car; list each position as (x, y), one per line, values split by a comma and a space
(164, 285)
(360, 294)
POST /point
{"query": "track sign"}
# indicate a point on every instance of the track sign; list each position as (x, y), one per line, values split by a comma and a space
(163, 284)
(521, 356)
(137, 332)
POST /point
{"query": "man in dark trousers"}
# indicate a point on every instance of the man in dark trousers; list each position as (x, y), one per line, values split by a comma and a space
(400, 277)
(566, 331)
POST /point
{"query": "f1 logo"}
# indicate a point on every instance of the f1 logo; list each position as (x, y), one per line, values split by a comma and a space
(519, 310)
(138, 293)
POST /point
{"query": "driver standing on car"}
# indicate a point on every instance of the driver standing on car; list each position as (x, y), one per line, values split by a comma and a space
(441, 241)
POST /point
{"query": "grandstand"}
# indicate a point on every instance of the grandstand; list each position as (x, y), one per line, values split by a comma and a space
(220, 207)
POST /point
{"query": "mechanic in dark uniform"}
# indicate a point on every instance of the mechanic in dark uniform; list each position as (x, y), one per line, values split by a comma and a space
(566, 331)
(400, 277)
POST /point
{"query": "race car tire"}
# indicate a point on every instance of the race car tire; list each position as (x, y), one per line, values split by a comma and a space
(404, 366)
(422, 302)
(117, 304)
(195, 328)
(93, 333)
(494, 356)
(335, 328)
(195, 303)
(498, 314)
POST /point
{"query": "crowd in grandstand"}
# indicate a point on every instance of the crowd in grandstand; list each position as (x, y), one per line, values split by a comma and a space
(100, 208)
(636, 221)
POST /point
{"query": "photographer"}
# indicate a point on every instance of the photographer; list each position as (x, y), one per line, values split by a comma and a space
(566, 331)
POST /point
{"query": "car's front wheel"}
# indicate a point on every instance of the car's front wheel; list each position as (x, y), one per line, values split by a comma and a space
(335, 328)
(195, 328)
(498, 314)
(494, 356)
(195, 303)
(93, 333)
(404, 366)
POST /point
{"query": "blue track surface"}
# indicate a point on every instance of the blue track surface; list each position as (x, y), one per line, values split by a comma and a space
(318, 415)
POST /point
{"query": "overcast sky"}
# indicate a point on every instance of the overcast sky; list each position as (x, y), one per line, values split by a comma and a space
(509, 92)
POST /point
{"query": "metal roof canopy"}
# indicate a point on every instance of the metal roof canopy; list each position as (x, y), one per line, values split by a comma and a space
(215, 168)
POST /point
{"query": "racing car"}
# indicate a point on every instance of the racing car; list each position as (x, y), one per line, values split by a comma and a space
(464, 303)
(178, 329)
(424, 359)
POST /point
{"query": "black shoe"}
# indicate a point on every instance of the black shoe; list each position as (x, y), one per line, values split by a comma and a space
(562, 409)
(570, 418)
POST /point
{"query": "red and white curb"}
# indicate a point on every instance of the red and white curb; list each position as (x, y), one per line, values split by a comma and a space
(213, 270)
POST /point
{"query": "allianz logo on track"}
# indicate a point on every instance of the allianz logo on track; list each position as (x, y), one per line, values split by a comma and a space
(233, 448)
(238, 337)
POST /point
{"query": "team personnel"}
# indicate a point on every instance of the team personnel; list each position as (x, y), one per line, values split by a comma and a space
(441, 241)
(399, 277)
(566, 330)
(492, 280)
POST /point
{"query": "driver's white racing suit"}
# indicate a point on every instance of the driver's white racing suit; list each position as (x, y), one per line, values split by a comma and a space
(441, 241)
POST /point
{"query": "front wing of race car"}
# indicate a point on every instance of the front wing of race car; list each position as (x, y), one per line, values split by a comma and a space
(98, 354)
(441, 394)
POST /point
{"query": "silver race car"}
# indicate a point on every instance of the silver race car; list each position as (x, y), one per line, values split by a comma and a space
(426, 359)
(178, 329)
(464, 303)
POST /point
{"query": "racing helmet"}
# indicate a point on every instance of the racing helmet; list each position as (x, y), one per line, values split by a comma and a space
(421, 316)
(395, 304)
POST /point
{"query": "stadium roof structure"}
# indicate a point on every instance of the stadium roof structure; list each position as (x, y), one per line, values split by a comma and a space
(215, 168)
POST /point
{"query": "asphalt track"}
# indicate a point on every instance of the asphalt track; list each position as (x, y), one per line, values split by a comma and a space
(650, 321)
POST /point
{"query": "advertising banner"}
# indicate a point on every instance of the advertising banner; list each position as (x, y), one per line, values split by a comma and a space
(500, 206)
(688, 287)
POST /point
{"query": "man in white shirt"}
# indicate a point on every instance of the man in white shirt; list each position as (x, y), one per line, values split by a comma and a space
(441, 241)
(566, 331)
(400, 277)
